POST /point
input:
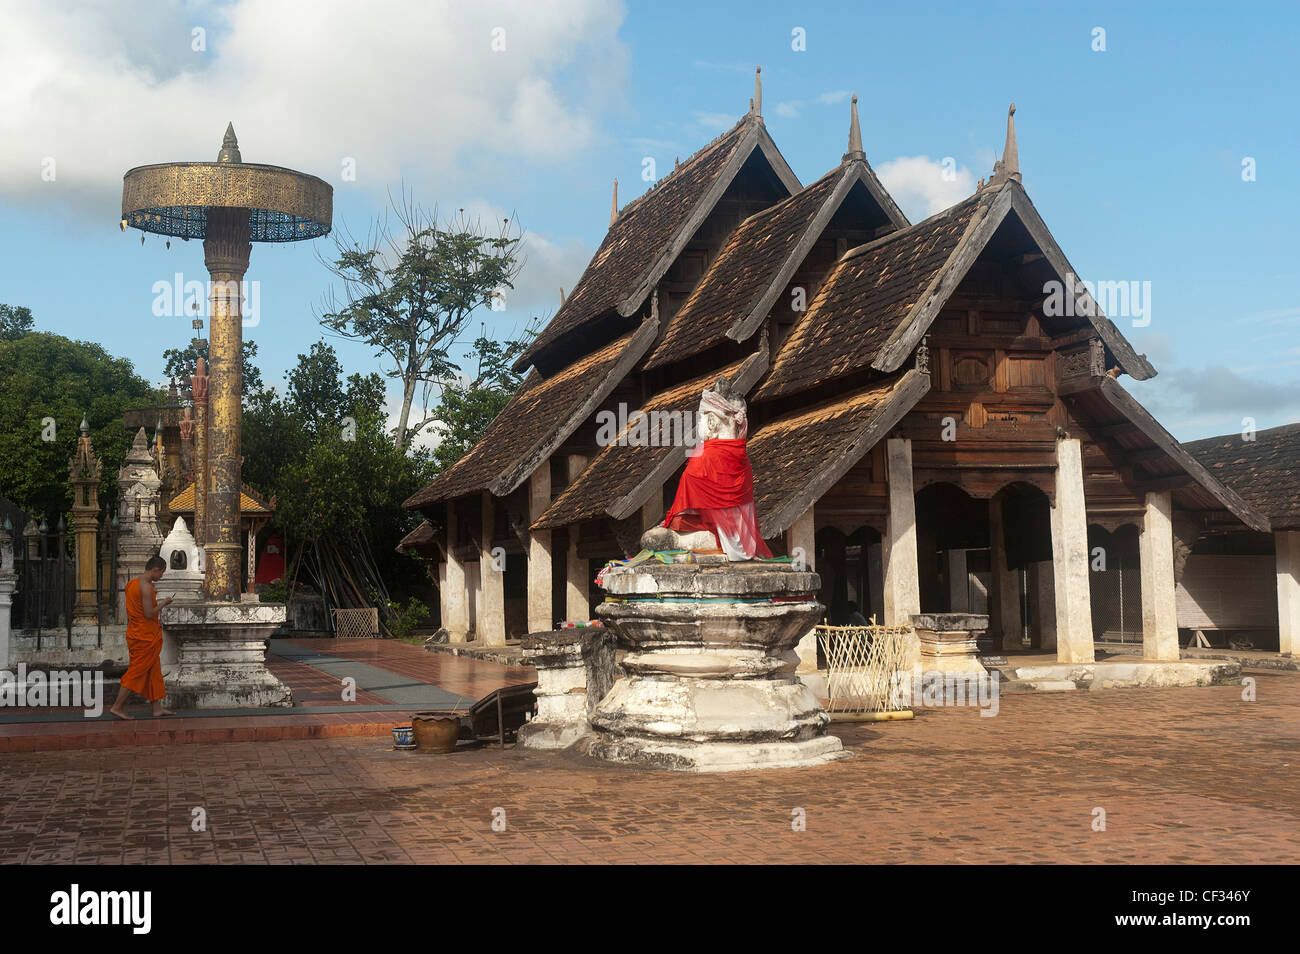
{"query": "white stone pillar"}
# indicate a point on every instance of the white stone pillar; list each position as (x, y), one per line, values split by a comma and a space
(492, 608)
(902, 575)
(8, 583)
(801, 541)
(7, 586)
(1287, 543)
(577, 599)
(454, 588)
(539, 552)
(1070, 557)
(1156, 562)
(958, 582)
(1006, 582)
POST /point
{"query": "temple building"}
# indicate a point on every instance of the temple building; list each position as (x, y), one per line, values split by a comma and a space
(927, 427)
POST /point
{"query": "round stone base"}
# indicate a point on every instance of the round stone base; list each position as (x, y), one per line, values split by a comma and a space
(711, 725)
(682, 755)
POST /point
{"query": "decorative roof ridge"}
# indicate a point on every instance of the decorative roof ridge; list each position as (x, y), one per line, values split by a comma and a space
(930, 222)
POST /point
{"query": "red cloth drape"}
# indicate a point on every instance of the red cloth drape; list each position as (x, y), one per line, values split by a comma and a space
(716, 493)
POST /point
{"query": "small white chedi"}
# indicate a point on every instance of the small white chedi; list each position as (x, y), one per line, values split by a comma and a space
(183, 580)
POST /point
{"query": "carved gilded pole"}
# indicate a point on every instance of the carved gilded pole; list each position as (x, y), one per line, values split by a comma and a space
(84, 471)
(226, 249)
(199, 388)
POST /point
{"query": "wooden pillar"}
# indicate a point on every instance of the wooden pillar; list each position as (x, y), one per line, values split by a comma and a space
(1043, 579)
(1070, 557)
(875, 581)
(253, 527)
(1006, 582)
(958, 582)
(492, 607)
(902, 576)
(453, 589)
(1156, 562)
(539, 552)
(577, 598)
(1287, 543)
(801, 540)
(652, 511)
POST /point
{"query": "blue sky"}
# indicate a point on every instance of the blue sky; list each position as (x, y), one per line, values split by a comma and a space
(1133, 155)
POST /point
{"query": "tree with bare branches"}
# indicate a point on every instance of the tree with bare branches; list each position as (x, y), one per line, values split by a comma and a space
(410, 291)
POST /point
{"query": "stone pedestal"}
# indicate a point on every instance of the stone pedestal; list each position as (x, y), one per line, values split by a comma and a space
(948, 641)
(222, 650)
(711, 682)
(575, 670)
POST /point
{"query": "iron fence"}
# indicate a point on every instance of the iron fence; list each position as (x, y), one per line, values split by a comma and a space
(47, 592)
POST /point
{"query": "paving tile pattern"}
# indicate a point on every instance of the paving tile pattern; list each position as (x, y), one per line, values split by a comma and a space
(1184, 776)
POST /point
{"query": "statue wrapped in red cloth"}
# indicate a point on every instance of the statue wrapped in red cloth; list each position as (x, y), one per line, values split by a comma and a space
(714, 506)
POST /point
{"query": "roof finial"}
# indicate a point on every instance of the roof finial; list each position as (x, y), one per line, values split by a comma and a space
(855, 135)
(613, 208)
(756, 104)
(85, 427)
(229, 146)
(1008, 167)
(561, 296)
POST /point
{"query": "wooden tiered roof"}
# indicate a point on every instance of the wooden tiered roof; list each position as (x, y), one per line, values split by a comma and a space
(1264, 470)
(852, 358)
(649, 232)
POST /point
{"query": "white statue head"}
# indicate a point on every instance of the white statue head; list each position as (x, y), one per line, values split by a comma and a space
(722, 413)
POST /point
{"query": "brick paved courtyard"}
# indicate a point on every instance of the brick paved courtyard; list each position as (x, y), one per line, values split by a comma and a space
(1184, 775)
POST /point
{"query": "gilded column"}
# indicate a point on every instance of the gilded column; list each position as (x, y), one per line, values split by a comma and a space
(84, 470)
(225, 251)
(199, 387)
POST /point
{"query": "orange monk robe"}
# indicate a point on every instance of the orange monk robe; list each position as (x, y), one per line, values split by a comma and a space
(144, 642)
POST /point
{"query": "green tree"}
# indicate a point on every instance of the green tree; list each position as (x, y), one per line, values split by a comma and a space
(15, 321)
(181, 362)
(323, 450)
(46, 377)
(410, 295)
(468, 406)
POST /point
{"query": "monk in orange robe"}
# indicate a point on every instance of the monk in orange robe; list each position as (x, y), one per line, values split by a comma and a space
(144, 641)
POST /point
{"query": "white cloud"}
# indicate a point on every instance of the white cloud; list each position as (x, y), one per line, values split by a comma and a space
(793, 108)
(714, 122)
(1204, 402)
(104, 89)
(920, 186)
